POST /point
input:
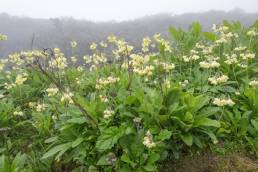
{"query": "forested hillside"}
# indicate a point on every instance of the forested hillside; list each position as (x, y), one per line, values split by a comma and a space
(43, 33)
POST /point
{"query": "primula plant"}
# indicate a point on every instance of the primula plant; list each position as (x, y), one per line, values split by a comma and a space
(124, 108)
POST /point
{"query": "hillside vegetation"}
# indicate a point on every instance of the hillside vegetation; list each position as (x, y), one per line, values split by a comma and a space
(123, 109)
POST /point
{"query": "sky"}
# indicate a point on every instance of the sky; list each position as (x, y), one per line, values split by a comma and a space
(117, 10)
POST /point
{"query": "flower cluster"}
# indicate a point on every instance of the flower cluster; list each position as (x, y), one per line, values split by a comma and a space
(93, 46)
(253, 83)
(246, 56)
(74, 59)
(145, 44)
(166, 44)
(9, 86)
(144, 71)
(167, 67)
(103, 98)
(103, 44)
(123, 48)
(18, 113)
(3, 37)
(59, 61)
(20, 79)
(223, 102)
(95, 59)
(30, 56)
(73, 44)
(3, 62)
(138, 60)
(252, 32)
(240, 48)
(52, 91)
(16, 59)
(209, 64)
(67, 97)
(191, 58)
(102, 82)
(111, 39)
(108, 113)
(218, 79)
(224, 35)
(148, 140)
(231, 59)
(184, 83)
(39, 107)
(167, 83)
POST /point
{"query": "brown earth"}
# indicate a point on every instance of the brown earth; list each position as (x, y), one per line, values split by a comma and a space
(232, 162)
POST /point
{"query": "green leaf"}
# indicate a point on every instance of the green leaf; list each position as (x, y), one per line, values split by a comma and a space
(210, 36)
(56, 149)
(206, 122)
(153, 158)
(2, 163)
(209, 111)
(255, 124)
(51, 139)
(174, 33)
(77, 142)
(125, 158)
(19, 160)
(187, 138)
(164, 135)
(197, 142)
(93, 169)
(196, 28)
(211, 135)
(109, 138)
(103, 160)
(150, 167)
(199, 102)
(173, 97)
(80, 120)
(188, 117)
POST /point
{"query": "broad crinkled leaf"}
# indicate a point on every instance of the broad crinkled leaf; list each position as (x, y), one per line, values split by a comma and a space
(109, 138)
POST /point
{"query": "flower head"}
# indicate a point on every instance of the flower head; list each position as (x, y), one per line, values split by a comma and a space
(223, 102)
(253, 83)
(73, 44)
(20, 79)
(67, 97)
(148, 140)
(108, 113)
(18, 113)
(52, 91)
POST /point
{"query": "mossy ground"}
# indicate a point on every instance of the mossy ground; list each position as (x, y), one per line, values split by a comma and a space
(208, 162)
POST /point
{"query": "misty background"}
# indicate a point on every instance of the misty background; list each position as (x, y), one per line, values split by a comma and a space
(38, 24)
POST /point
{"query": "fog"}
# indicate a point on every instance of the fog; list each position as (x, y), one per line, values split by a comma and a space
(54, 23)
(118, 10)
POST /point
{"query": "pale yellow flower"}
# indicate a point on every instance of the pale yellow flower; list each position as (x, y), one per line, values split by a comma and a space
(52, 91)
(148, 140)
(67, 97)
(223, 102)
(253, 83)
(40, 107)
(93, 46)
(20, 79)
(73, 44)
(18, 113)
(108, 113)
(218, 79)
